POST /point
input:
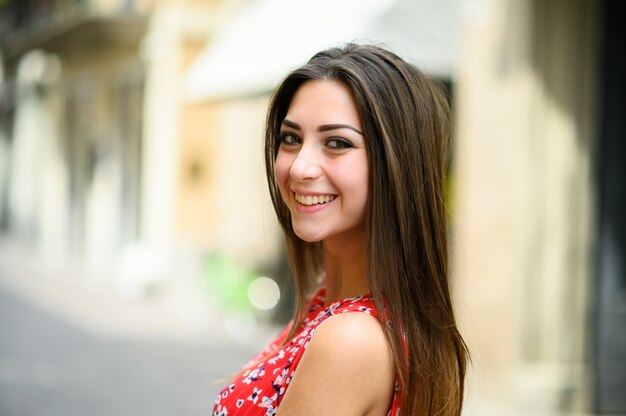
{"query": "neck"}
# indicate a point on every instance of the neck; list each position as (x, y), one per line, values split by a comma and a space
(344, 264)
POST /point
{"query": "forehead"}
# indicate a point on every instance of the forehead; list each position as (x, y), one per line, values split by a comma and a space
(324, 101)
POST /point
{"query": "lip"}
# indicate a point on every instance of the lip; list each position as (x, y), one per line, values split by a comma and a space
(309, 209)
(307, 193)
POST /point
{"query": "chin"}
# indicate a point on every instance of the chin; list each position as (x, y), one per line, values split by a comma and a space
(309, 237)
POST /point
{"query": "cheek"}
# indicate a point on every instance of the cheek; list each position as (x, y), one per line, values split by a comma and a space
(282, 168)
(362, 191)
(358, 191)
(355, 180)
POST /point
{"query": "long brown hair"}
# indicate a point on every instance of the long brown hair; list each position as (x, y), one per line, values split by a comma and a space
(406, 121)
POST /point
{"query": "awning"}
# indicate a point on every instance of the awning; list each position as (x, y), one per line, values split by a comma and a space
(269, 37)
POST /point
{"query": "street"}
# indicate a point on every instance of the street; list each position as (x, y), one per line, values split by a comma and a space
(50, 365)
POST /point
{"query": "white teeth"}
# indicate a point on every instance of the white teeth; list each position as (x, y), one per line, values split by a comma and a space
(313, 200)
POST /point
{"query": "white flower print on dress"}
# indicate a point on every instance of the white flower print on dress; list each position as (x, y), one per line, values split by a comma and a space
(254, 375)
(364, 309)
(220, 411)
(268, 401)
(254, 397)
(280, 356)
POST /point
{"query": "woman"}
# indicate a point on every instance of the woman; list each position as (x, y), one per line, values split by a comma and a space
(356, 145)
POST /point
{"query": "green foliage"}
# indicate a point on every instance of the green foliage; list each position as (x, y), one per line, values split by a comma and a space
(228, 283)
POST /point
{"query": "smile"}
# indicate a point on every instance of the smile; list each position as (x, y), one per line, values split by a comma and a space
(313, 199)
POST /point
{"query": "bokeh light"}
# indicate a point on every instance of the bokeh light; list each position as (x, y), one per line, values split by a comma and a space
(263, 293)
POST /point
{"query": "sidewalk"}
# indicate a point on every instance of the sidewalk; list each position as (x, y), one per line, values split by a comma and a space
(176, 310)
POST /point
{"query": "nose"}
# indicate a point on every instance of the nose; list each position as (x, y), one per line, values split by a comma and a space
(307, 164)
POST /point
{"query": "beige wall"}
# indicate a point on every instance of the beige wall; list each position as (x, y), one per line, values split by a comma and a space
(523, 203)
(224, 204)
(203, 170)
(197, 211)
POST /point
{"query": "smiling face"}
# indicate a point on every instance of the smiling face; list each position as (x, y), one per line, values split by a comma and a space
(321, 166)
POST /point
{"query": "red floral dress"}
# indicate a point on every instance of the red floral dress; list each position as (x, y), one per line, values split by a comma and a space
(260, 389)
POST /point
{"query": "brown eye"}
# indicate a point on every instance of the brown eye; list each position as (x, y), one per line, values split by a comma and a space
(288, 138)
(338, 143)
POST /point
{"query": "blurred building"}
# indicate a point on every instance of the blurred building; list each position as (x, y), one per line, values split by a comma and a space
(101, 158)
(539, 226)
(73, 95)
(129, 129)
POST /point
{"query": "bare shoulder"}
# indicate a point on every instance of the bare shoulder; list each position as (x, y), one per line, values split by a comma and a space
(352, 332)
(347, 369)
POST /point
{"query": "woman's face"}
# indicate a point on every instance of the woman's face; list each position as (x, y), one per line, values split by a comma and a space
(321, 167)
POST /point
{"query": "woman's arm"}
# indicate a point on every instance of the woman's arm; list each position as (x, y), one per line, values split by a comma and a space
(347, 369)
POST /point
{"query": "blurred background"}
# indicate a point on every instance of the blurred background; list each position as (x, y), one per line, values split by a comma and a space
(140, 260)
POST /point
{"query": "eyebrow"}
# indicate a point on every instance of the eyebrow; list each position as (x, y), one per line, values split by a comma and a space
(324, 127)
